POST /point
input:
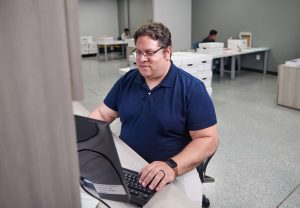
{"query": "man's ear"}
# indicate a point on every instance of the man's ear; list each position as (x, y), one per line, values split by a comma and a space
(168, 52)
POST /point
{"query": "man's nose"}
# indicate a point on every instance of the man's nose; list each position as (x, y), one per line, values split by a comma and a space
(143, 58)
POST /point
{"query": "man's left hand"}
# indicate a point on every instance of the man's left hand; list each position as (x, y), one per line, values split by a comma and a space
(156, 175)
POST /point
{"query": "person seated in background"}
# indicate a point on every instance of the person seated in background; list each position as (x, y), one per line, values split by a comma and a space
(125, 35)
(211, 37)
(166, 114)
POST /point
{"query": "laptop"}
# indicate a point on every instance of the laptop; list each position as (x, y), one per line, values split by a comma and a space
(101, 174)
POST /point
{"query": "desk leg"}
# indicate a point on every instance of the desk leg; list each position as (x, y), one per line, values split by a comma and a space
(232, 67)
(239, 63)
(266, 62)
(105, 52)
(222, 67)
(123, 50)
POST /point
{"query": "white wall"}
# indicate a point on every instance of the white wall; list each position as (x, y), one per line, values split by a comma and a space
(98, 17)
(123, 15)
(274, 25)
(140, 12)
(177, 16)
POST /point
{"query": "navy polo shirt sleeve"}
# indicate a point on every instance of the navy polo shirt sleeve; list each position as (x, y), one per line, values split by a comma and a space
(111, 100)
(200, 109)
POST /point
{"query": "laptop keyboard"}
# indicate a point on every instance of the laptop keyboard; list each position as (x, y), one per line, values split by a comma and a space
(139, 194)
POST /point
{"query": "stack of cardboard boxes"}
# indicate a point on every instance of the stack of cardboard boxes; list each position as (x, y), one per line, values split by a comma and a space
(198, 65)
(213, 48)
(87, 45)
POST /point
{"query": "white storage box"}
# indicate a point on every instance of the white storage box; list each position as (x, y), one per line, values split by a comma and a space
(190, 58)
(132, 61)
(209, 91)
(204, 74)
(237, 44)
(186, 61)
(206, 81)
(205, 65)
(106, 39)
(293, 63)
(84, 51)
(84, 46)
(93, 48)
(196, 64)
(214, 48)
(86, 39)
(87, 45)
(130, 42)
(123, 71)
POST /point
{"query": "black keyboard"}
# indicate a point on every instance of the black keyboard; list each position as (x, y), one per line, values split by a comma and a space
(139, 194)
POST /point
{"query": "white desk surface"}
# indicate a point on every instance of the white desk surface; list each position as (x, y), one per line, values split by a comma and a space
(114, 42)
(229, 52)
(236, 54)
(170, 196)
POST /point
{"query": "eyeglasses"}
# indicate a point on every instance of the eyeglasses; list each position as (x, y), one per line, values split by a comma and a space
(147, 54)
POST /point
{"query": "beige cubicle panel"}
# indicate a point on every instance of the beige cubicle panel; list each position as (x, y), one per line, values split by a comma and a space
(40, 74)
(288, 86)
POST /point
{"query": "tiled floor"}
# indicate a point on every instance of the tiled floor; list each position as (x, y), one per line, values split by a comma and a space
(258, 160)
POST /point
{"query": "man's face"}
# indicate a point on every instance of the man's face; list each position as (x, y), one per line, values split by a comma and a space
(152, 60)
(213, 37)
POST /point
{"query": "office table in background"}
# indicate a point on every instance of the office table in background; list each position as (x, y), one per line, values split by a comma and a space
(236, 55)
(169, 196)
(111, 43)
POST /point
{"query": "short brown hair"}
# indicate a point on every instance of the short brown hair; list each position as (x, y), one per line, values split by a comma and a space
(156, 31)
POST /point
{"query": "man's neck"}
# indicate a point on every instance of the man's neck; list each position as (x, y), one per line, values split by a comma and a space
(154, 81)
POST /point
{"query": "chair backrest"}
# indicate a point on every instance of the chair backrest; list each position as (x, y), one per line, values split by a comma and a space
(202, 170)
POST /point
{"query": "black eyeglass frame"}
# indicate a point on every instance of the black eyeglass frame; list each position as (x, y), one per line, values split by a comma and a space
(150, 53)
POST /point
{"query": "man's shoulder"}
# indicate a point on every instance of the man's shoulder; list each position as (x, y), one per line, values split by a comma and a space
(130, 76)
(205, 40)
(187, 79)
(184, 75)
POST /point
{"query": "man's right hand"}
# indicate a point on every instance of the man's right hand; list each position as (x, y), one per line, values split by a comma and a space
(156, 175)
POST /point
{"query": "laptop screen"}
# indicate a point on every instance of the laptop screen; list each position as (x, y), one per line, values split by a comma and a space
(100, 167)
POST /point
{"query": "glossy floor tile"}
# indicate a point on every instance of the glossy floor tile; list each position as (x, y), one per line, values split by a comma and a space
(257, 163)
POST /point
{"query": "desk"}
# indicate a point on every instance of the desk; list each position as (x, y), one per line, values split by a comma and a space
(236, 55)
(109, 43)
(170, 196)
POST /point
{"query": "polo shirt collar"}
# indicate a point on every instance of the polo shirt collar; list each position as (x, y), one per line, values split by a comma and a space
(166, 82)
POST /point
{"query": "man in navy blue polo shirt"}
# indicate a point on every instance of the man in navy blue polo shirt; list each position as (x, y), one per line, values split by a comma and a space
(166, 114)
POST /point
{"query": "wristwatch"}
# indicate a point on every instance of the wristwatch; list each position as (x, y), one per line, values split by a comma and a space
(172, 164)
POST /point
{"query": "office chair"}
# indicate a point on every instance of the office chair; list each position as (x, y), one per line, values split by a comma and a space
(205, 179)
(195, 45)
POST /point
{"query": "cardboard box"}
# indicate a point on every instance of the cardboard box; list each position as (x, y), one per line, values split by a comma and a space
(237, 44)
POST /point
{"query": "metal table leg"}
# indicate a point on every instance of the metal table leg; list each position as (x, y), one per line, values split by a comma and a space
(105, 52)
(232, 67)
(222, 67)
(239, 63)
(266, 62)
(123, 50)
